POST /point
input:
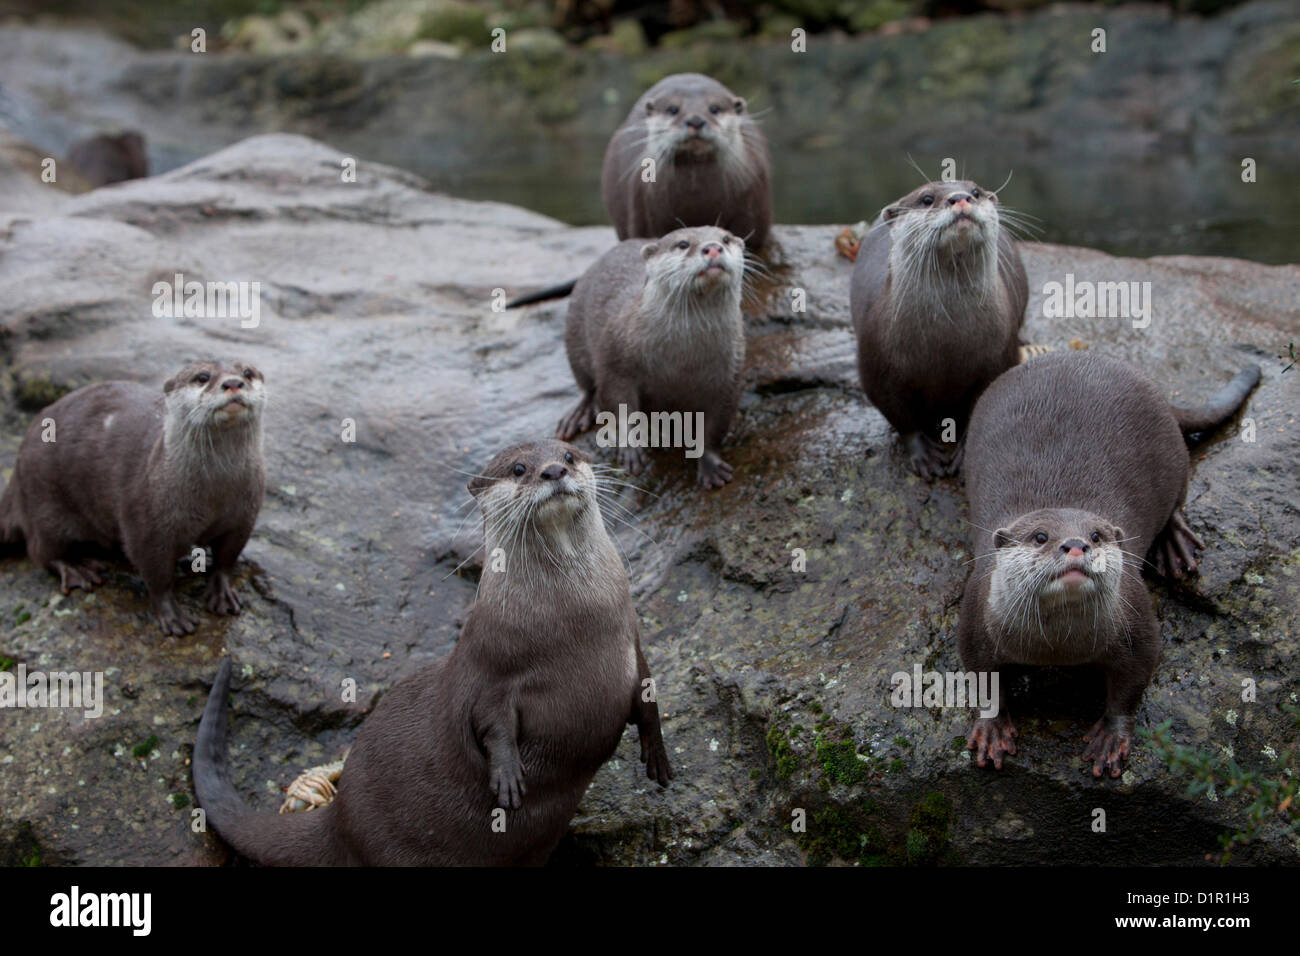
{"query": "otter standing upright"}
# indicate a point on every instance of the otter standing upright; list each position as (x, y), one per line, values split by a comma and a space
(656, 328)
(518, 717)
(153, 473)
(708, 163)
(1076, 468)
(938, 297)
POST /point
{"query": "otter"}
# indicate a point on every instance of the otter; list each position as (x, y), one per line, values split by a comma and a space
(938, 297)
(106, 159)
(1076, 470)
(656, 328)
(119, 465)
(711, 166)
(518, 717)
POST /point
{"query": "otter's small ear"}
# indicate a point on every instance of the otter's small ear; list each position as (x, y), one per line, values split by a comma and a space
(650, 250)
(1002, 538)
(1117, 532)
(650, 106)
(891, 212)
(739, 105)
(477, 484)
(175, 382)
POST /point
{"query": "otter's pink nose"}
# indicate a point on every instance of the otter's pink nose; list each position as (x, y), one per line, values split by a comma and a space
(712, 250)
(1074, 548)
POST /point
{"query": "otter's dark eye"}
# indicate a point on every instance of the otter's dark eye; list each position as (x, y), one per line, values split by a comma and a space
(729, 239)
(519, 469)
(683, 244)
(202, 378)
(740, 106)
(927, 200)
(568, 458)
(715, 109)
(674, 110)
(1041, 538)
(248, 374)
(1096, 536)
(975, 194)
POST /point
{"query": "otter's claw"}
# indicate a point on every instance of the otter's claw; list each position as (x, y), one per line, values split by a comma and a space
(992, 738)
(84, 575)
(1175, 547)
(221, 597)
(1108, 746)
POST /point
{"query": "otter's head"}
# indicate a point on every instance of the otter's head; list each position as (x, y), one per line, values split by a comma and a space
(956, 218)
(700, 261)
(543, 488)
(692, 117)
(1054, 559)
(214, 396)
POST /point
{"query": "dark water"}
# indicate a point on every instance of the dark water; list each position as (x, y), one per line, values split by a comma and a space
(1174, 203)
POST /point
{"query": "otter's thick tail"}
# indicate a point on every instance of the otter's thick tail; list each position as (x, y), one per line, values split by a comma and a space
(554, 292)
(1221, 407)
(293, 839)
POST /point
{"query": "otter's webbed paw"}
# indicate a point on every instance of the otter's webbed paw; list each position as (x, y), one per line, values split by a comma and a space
(932, 459)
(507, 781)
(579, 420)
(1175, 547)
(83, 575)
(174, 620)
(220, 596)
(632, 460)
(655, 757)
(1108, 745)
(714, 472)
(992, 738)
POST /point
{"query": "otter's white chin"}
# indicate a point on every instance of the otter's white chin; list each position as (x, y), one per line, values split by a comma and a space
(696, 145)
(559, 504)
(1072, 585)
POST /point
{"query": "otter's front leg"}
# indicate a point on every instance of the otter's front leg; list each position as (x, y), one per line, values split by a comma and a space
(1111, 737)
(931, 459)
(620, 397)
(713, 471)
(992, 738)
(645, 714)
(156, 563)
(496, 727)
(221, 597)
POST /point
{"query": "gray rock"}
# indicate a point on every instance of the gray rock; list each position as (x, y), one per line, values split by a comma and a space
(774, 685)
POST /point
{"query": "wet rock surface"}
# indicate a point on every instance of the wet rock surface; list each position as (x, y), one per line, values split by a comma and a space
(774, 684)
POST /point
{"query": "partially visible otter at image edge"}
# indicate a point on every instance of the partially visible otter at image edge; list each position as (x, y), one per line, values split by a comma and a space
(710, 164)
(152, 473)
(106, 159)
(1076, 472)
(938, 297)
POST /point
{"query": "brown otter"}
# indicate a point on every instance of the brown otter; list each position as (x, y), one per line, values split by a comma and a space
(709, 161)
(938, 297)
(148, 472)
(655, 328)
(520, 715)
(1076, 468)
(105, 159)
